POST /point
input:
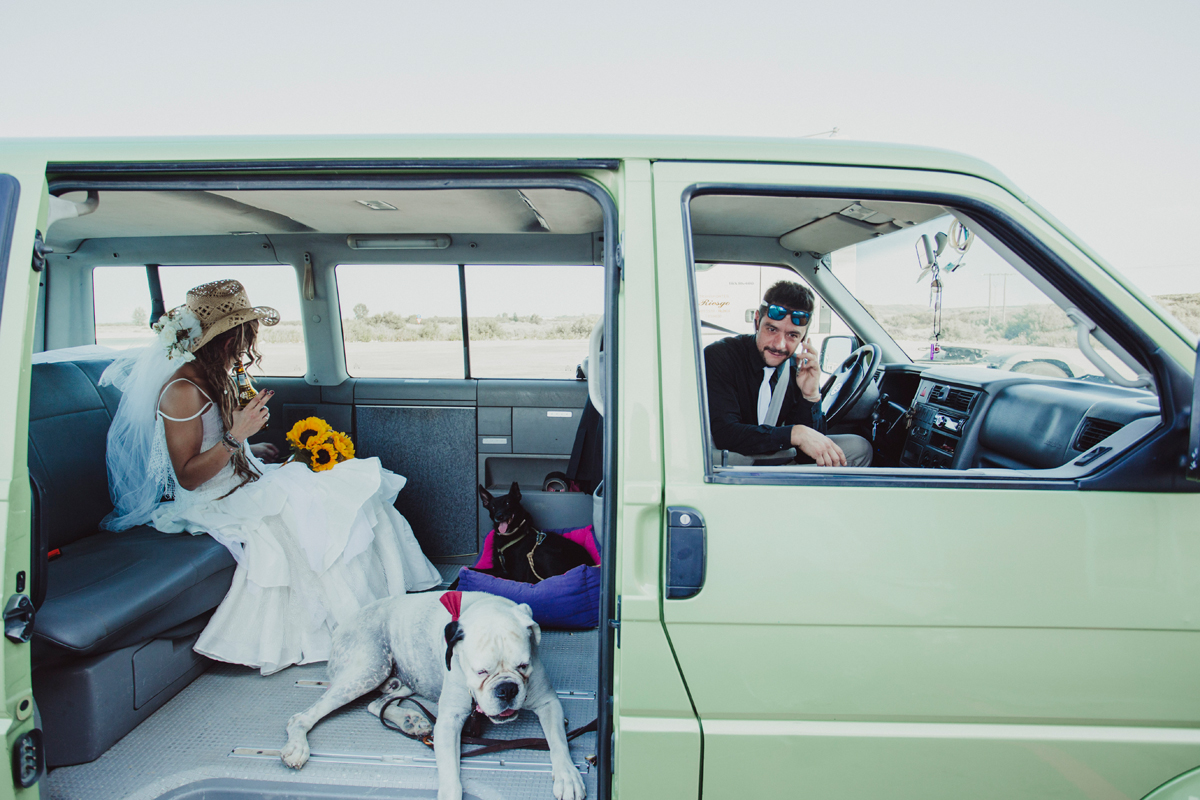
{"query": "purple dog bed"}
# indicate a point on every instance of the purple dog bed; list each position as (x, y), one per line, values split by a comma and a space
(570, 600)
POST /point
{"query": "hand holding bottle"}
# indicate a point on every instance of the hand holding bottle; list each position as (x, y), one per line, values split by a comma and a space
(251, 418)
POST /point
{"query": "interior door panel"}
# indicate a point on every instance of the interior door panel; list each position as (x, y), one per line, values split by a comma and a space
(434, 447)
(541, 418)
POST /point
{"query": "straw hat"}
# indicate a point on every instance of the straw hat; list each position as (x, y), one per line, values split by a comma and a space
(222, 305)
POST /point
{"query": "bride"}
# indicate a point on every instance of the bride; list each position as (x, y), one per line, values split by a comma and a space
(311, 548)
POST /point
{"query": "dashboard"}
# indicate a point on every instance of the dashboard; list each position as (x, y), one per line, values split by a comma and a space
(971, 417)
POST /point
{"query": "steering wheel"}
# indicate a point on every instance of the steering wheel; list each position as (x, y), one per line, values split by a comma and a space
(848, 383)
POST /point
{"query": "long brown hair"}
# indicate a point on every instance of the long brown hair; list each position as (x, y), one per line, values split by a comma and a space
(212, 360)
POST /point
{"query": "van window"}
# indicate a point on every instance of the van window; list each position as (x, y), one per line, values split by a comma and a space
(121, 297)
(531, 321)
(965, 357)
(401, 320)
(990, 314)
(405, 321)
(121, 300)
(274, 285)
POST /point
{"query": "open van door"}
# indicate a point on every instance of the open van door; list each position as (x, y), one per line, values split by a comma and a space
(902, 632)
(25, 755)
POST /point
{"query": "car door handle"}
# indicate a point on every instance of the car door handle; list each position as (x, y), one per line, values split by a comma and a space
(686, 552)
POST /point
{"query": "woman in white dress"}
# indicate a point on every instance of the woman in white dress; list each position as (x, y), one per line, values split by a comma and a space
(311, 548)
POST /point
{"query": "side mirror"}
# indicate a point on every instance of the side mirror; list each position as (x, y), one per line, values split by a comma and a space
(835, 350)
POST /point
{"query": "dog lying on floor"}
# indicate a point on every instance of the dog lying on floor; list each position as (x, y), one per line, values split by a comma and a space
(522, 552)
(464, 650)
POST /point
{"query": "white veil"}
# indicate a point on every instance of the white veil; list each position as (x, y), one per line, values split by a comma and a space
(139, 470)
(140, 476)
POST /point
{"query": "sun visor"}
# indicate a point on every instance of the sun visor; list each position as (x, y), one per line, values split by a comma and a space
(832, 233)
(856, 223)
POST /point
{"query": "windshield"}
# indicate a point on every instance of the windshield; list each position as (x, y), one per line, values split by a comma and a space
(973, 308)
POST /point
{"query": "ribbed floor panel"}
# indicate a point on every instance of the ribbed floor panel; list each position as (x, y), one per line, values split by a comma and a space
(229, 724)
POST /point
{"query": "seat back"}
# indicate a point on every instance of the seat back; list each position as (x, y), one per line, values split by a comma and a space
(69, 417)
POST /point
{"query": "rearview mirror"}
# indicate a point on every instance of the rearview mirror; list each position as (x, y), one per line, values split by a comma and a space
(924, 251)
(835, 350)
(942, 239)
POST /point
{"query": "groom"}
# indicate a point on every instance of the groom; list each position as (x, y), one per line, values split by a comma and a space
(741, 376)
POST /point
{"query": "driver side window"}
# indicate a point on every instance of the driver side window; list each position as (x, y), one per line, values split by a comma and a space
(966, 358)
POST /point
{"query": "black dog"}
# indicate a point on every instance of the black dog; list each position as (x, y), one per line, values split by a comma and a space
(522, 552)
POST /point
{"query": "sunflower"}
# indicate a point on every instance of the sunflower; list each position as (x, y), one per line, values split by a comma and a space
(324, 456)
(302, 433)
(343, 444)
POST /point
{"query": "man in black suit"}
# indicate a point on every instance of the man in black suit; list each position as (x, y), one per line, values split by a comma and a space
(742, 372)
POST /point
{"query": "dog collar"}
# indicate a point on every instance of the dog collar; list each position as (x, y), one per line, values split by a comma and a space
(453, 603)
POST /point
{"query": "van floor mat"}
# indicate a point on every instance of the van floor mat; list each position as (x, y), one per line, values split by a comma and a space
(228, 725)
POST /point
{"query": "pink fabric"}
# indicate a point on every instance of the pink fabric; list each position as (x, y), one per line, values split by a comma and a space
(453, 603)
(581, 536)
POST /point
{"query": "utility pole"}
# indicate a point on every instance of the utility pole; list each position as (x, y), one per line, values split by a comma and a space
(1003, 295)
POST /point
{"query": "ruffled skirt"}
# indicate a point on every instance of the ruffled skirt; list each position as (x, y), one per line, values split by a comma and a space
(311, 550)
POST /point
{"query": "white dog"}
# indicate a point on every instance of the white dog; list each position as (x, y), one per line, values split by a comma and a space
(484, 656)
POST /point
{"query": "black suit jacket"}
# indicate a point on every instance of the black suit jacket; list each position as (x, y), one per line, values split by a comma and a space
(733, 371)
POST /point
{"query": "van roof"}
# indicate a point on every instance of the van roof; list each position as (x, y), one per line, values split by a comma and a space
(480, 147)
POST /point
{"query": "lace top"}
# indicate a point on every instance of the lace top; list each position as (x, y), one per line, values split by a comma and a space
(160, 459)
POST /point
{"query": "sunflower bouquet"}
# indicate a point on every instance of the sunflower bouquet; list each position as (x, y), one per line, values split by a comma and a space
(316, 444)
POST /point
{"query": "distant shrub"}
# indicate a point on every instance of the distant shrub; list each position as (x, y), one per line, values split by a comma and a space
(391, 327)
(283, 333)
(486, 329)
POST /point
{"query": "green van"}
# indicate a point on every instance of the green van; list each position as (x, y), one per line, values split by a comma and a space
(1004, 603)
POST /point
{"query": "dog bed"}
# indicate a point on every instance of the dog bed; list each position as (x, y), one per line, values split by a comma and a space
(570, 600)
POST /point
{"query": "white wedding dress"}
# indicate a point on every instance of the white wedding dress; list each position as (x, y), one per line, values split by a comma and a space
(311, 549)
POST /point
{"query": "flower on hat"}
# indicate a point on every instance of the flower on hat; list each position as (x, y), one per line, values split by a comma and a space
(178, 331)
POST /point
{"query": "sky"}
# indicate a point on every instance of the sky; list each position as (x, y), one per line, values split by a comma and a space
(1090, 107)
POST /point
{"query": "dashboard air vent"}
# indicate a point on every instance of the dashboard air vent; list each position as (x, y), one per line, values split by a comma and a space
(937, 393)
(959, 399)
(1093, 432)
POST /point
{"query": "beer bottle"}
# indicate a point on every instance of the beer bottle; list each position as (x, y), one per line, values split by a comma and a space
(245, 389)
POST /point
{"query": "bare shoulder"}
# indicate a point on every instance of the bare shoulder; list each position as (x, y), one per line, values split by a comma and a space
(182, 398)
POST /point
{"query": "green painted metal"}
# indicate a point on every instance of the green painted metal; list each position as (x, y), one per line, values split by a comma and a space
(16, 342)
(926, 642)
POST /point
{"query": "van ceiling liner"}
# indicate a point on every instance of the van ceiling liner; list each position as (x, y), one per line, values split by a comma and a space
(131, 214)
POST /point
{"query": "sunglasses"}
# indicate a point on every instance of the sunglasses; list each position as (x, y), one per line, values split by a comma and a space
(799, 318)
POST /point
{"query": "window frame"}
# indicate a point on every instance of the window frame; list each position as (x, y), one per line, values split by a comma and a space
(1171, 384)
(428, 174)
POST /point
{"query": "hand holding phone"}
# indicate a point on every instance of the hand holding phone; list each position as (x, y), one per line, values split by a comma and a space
(808, 374)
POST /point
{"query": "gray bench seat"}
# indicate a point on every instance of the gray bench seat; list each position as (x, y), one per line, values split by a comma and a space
(117, 612)
(115, 589)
